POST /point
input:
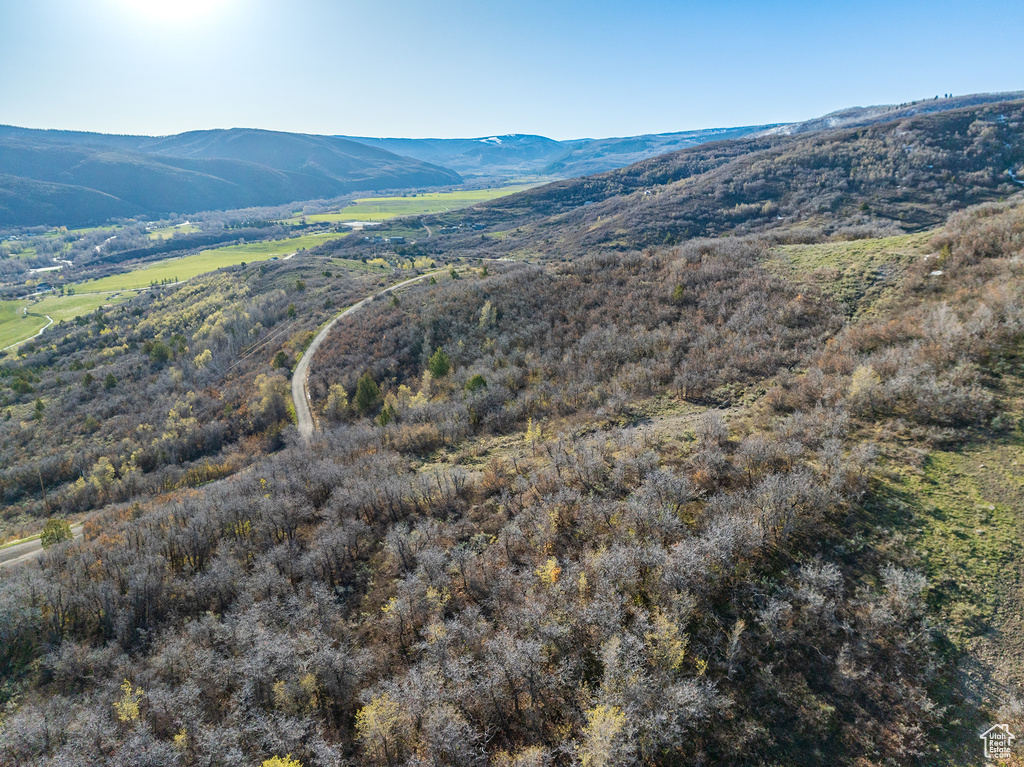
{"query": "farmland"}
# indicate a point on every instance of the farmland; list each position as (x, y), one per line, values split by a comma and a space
(89, 296)
(62, 308)
(17, 326)
(383, 208)
(14, 326)
(181, 269)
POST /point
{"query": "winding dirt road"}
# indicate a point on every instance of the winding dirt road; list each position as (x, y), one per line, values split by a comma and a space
(21, 552)
(300, 378)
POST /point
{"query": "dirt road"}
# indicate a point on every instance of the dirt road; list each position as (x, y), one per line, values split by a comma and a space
(300, 393)
(22, 552)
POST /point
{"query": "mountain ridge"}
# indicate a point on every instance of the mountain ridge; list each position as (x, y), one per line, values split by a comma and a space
(200, 170)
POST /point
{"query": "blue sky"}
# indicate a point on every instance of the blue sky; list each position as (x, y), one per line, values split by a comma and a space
(456, 68)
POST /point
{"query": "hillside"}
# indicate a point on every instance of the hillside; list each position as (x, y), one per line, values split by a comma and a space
(902, 175)
(53, 177)
(715, 475)
(516, 155)
(861, 116)
(653, 508)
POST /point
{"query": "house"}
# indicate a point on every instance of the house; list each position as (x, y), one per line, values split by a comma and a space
(998, 741)
(396, 240)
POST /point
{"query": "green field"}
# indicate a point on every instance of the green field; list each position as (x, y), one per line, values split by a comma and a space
(165, 233)
(16, 326)
(186, 268)
(383, 208)
(63, 308)
(90, 229)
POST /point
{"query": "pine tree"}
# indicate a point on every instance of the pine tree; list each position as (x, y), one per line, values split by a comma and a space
(439, 364)
(367, 393)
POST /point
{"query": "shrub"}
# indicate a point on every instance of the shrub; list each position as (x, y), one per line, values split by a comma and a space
(55, 531)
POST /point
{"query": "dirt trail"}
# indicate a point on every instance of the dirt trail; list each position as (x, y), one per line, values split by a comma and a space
(300, 378)
(26, 550)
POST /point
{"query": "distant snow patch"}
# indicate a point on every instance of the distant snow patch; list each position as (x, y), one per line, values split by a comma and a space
(491, 140)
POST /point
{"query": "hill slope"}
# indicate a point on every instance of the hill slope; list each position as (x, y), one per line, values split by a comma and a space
(87, 178)
(517, 154)
(861, 116)
(901, 175)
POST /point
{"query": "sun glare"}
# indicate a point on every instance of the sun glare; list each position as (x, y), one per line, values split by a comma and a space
(174, 11)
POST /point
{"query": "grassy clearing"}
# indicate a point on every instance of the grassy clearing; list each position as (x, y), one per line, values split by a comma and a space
(18, 249)
(15, 326)
(854, 272)
(167, 232)
(383, 208)
(959, 513)
(180, 269)
(63, 308)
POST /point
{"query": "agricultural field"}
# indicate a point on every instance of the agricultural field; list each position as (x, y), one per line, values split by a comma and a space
(89, 296)
(63, 308)
(181, 269)
(90, 229)
(17, 326)
(383, 208)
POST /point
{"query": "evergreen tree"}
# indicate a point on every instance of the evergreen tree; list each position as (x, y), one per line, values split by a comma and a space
(367, 393)
(439, 364)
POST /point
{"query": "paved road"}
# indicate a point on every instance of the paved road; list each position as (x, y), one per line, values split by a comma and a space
(22, 552)
(300, 378)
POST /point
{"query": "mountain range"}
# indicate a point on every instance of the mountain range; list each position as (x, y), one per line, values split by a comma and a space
(518, 154)
(71, 178)
(51, 177)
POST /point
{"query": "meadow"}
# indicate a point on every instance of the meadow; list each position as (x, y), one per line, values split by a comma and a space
(383, 208)
(167, 232)
(89, 296)
(181, 269)
(17, 326)
(14, 326)
(19, 249)
(854, 272)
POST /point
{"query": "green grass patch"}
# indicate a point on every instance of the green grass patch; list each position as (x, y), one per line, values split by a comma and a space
(959, 511)
(64, 308)
(167, 232)
(20, 541)
(181, 269)
(16, 326)
(383, 208)
(18, 249)
(854, 272)
(90, 229)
